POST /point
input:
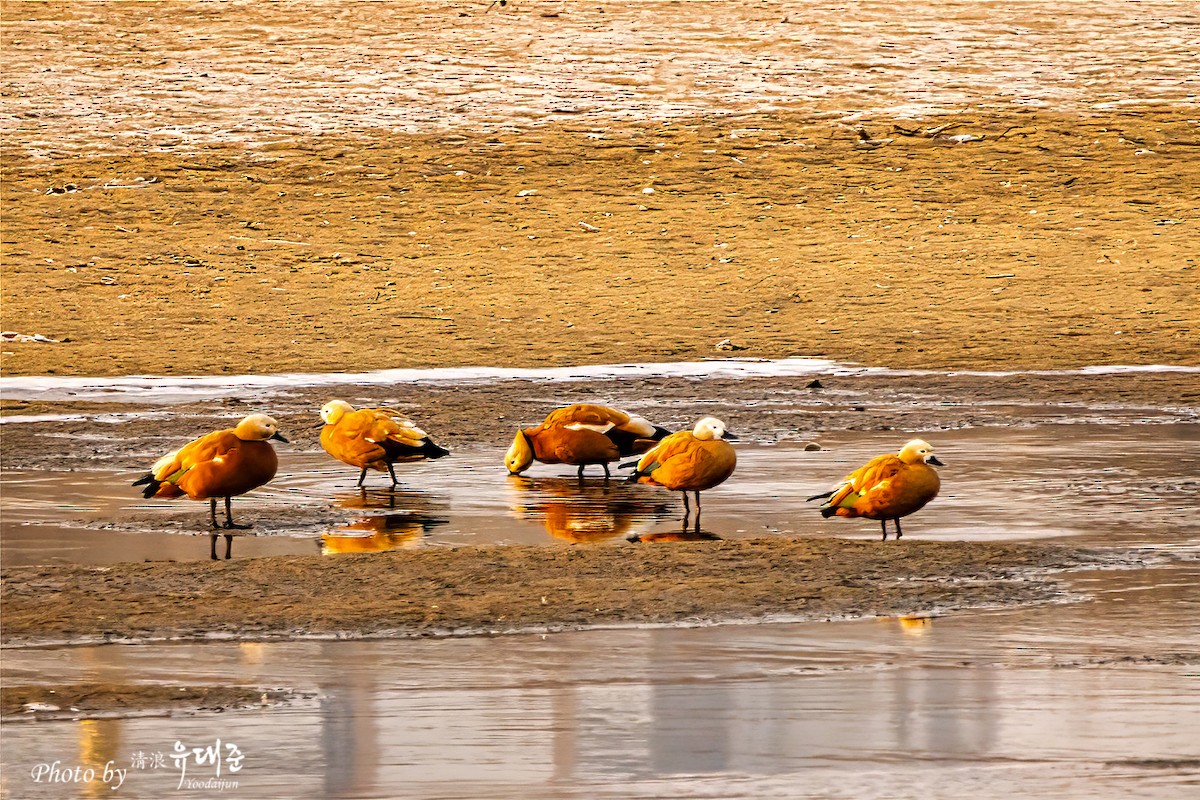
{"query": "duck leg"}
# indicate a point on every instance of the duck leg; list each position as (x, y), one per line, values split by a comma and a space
(697, 511)
(362, 476)
(883, 524)
(212, 514)
(392, 472)
(228, 546)
(899, 532)
(687, 510)
(579, 473)
(607, 474)
(229, 523)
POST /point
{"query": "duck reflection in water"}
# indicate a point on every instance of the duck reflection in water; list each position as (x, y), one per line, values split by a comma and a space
(913, 624)
(414, 516)
(580, 512)
(694, 535)
(381, 533)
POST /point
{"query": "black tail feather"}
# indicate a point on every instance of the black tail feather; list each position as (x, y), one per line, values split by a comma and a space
(151, 483)
(629, 444)
(820, 496)
(397, 451)
(431, 450)
(637, 473)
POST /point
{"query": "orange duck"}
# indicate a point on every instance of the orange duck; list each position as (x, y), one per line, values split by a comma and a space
(690, 461)
(887, 487)
(582, 434)
(373, 438)
(220, 464)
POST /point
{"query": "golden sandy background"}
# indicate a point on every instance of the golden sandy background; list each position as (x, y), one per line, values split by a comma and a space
(261, 188)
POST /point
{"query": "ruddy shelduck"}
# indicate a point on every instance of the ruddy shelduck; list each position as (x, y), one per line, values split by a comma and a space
(373, 438)
(690, 461)
(887, 487)
(582, 434)
(219, 464)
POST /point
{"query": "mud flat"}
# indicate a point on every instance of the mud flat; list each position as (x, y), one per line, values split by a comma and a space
(498, 589)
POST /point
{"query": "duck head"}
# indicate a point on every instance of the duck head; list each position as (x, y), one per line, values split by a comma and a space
(520, 455)
(258, 428)
(334, 410)
(919, 451)
(712, 428)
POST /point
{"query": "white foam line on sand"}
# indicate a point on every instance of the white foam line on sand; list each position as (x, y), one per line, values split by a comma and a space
(171, 389)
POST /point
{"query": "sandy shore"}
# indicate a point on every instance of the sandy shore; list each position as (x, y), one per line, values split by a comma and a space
(519, 588)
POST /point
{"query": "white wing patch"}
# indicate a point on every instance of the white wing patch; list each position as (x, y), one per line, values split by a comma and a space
(162, 464)
(580, 426)
(404, 439)
(638, 425)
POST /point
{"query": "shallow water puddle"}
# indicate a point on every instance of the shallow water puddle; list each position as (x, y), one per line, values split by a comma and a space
(1105, 484)
(1040, 701)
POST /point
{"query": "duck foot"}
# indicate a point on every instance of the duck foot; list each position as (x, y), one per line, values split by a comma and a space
(229, 523)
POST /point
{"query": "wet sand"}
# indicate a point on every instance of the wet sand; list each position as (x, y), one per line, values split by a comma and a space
(520, 588)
